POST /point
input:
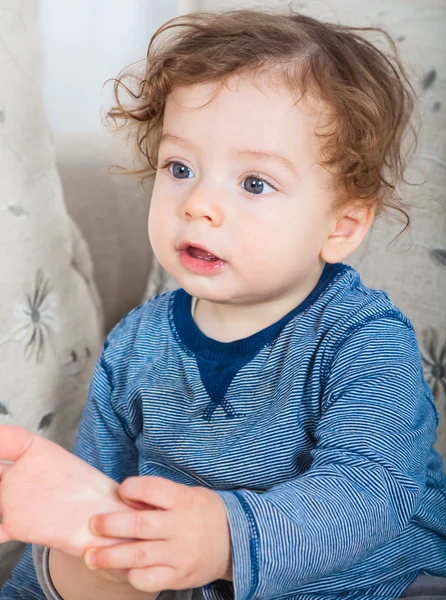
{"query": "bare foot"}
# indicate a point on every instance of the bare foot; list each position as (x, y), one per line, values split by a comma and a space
(48, 495)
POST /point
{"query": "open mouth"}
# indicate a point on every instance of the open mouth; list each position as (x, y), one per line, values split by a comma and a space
(198, 259)
(195, 252)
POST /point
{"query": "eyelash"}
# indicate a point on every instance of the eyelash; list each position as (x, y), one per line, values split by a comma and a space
(260, 178)
(167, 164)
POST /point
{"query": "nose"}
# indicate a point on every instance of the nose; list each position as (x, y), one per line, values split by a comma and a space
(201, 204)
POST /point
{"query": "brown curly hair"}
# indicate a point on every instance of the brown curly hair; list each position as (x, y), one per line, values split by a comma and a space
(368, 91)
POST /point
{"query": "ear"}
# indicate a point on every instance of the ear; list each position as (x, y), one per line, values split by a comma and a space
(351, 224)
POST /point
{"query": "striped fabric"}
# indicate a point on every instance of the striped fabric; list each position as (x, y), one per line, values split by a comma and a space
(317, 433)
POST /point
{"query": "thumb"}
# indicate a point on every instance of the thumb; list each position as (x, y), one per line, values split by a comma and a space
(14, 442)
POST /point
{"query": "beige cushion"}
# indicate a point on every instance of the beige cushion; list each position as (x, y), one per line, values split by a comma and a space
(50, 316)
(111, 212)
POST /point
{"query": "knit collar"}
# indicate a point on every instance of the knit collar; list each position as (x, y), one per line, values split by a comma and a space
(200, 344)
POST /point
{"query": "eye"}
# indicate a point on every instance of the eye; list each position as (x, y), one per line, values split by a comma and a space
(178, 170)
(255, 185)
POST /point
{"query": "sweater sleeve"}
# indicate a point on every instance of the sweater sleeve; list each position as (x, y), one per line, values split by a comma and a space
(106, 436)
(367, 476)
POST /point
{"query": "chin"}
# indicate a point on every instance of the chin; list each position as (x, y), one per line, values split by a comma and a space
(213, 288)
(205, 289)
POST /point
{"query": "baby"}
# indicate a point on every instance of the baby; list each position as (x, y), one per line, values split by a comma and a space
(264, 431)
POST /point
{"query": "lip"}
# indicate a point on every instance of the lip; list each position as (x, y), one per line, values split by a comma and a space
(184, 245)
(198, 265)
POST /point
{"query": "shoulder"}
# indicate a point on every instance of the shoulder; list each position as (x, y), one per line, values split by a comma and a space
(140, 330)
(347, 305)
(359, 327)
(350, 314)
(363, 339)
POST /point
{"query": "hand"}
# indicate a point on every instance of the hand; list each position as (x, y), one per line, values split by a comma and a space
(184, 536)
(48, 495)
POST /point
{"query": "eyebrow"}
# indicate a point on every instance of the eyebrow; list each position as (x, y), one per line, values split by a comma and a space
(269, 155)
(257, 154)
(166, 137)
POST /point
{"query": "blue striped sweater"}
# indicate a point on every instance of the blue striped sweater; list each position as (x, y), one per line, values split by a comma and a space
(317, 432)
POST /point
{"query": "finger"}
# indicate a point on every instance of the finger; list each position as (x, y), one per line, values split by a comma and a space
(118, 575)
(14, 441)
(135, 524)
(129, 556)
(155, 491)
(154, 579)
(138, 505)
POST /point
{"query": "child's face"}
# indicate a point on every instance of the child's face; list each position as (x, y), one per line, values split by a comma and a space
(264, 218)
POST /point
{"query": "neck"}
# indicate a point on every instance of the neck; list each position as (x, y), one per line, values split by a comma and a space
(227, 322)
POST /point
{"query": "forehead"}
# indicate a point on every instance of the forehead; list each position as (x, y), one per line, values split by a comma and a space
(243, 112)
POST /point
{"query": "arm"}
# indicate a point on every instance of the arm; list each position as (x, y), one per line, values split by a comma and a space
(48, 496)
(62, 505)
(104, 441)
(376, 429)
(73, 580)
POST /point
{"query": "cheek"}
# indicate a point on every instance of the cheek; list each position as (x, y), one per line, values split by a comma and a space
(153, 224)
(269, 231)
(278, 243)
(162, 202)
(262, 243)
(160, 220)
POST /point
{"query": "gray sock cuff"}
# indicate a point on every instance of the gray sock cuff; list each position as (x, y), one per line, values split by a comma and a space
(41, 557)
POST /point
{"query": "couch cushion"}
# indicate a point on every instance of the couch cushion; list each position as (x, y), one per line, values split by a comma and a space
(111, 212)
(50, 317)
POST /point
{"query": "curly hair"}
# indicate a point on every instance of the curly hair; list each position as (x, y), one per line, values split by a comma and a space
(371, 134)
